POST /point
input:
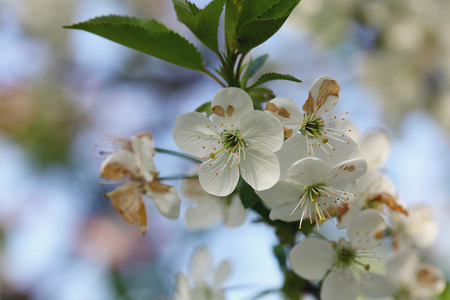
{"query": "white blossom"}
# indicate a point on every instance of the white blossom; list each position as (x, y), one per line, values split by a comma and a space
(342, 265)
(206, 282)
(311, 187)
(418, 228)
(134, 168)
(407, 279)
(238, 141)
(210, 209)
(316, 129)
(374, 146)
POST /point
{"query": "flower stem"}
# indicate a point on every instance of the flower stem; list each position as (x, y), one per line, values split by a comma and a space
(214, 77)
(238, 68)
(179, 154)
(178, 177)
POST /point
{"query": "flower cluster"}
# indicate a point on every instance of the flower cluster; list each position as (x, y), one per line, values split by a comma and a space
(305, 165)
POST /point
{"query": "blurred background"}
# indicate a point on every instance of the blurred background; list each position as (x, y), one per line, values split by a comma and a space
(62, 91)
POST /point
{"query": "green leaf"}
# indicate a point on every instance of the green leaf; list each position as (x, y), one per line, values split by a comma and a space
(147, 36)
(280, 255)
(279, 9)
(204, 23)
(247, 194)
(205, 107)
(253, 66)
(273, 76)
(232, 10)
(252, 9)
(255, 31)
(260, 94)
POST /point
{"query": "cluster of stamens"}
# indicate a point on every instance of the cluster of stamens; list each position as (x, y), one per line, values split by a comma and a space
(346, 256)
(316, 131)
(232, 143)
(315, 195)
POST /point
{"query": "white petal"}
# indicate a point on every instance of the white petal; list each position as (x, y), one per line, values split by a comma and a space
(221, 274)
(375, 183)
(340, 284)
(346, 148)
(235, 213)
(113, 166)
(282, 212)
(293, 149)
(421, 226)
(430, 280)
(309, 171)
(260, 169)
(220, 179)
(259, 128)
(233, 102)
(365, 230)
(191, 188)
(207, 213)
(311, 258)
(285, 110)
(353, 210)
(321, 94)
(182, 287)
(350, 128)
(283, 191)
(143, 148)
(375, 148)
(168, 203)
(201, 265)
(377, 286)
(195, 134)
(401, 267)
(346, 172)
(201, 292)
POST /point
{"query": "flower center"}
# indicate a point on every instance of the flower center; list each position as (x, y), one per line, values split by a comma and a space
(313, 127)
(312, 192)
(346, 256)
(231, 141)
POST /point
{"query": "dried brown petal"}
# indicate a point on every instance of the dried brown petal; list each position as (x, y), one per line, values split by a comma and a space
(308, 107)
(328, 88)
